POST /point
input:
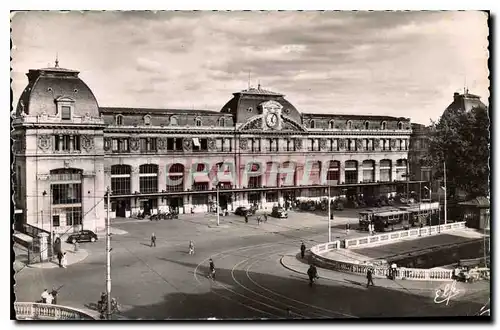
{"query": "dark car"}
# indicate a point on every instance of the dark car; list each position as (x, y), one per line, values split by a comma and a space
(82, 236)
(241, 210)
(279, 212)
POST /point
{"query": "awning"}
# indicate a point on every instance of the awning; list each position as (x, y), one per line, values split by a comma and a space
(201, 177)
(196, 142)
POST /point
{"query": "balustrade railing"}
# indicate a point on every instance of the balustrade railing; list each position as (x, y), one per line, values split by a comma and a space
(394, 236)
(37, 311)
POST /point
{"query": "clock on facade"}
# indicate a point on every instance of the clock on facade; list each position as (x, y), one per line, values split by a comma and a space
(272, 120)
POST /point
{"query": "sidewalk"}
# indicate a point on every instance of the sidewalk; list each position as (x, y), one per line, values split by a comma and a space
(291, 262)
(72, 256)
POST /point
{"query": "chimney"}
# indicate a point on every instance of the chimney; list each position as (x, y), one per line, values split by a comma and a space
(456, 96)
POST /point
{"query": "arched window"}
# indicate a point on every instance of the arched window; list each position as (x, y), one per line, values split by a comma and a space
(367, 125)
(175, 177)
(400, 125)
(222, 122)
(147, 120)
(174, 121)
(197, 122)
(383, 125)
(368, 171)
(349, 124)
(333, 172)
(385, 170)
(330, 124)
(119, 120)
(312, 124)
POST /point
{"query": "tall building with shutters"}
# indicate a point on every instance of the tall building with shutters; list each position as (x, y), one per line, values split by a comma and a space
(257, 149)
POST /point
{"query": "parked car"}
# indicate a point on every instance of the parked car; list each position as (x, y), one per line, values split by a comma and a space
(241, 210)
(82, 236)
(279, 212)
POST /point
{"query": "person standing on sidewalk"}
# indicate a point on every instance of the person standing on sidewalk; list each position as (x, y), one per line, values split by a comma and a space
(369, 277)
(347, 227)
(59, 258)
(64, 261)
(302, 250)
(153, 240)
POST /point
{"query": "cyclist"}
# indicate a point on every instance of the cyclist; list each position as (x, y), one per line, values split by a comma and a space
(312, 272)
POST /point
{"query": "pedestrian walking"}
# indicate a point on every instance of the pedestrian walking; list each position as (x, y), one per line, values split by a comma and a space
(394, 269)
(64, 260)
(153, 240)
(191, 247)
(265, 217)
(212, 269)
(44, 296)
(54, 293)
(369, 277)
(347, 227)
(59, 258)
(302, 250)
(246, 218)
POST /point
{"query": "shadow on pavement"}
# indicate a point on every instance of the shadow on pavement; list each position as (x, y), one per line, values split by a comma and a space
(273, 295)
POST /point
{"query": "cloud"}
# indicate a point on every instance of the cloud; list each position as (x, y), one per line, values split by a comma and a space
(389, 63)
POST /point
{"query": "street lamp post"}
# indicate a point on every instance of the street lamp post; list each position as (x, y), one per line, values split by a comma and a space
(329, 217)
(430, 198)
(217, 208)
(108, 257)
(445, 199)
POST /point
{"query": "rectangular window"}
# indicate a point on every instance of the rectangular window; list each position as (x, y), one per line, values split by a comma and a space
(178, 144)
(148, 184)
(114, 144)
(170, 144)
(73, 216)
(76, 142)
(55, 221)
(219, 144)
(254, 182)
(351, 177)
(65, 112)
(272, 197)
(204, 144)
(200, 186)
(200, 199)
(69, 193)
(120, 185)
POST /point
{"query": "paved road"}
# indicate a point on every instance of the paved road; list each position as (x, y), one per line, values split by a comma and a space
(164, 282)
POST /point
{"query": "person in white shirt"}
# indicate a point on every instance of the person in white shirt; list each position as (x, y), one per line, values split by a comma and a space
(64, 260)
(44, 296)
(49, 299)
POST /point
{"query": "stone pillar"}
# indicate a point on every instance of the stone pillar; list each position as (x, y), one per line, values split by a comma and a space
(360, 172)
(324, 171)
(134, 180)
(43, 240)
(393, 170)
(263, 199)
(281, 200)
(376, 170)
(342, 172)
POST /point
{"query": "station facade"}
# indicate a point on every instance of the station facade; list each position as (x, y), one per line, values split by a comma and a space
(258, 149)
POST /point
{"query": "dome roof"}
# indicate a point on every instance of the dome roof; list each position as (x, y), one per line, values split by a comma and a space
(47, 85)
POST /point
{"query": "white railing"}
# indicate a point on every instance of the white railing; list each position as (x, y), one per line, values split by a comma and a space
(36, 311)
(383, 272)
(325, 247)
(390, 237)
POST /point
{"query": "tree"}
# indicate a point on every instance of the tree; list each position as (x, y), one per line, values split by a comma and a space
(462, 140)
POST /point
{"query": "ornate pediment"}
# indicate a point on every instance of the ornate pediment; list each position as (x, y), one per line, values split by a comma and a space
(285, 124)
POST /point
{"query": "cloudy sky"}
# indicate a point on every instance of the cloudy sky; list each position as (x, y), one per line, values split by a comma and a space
(400, 63)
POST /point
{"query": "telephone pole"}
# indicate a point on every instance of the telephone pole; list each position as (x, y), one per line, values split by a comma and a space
(218, 215)
(108, 258)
